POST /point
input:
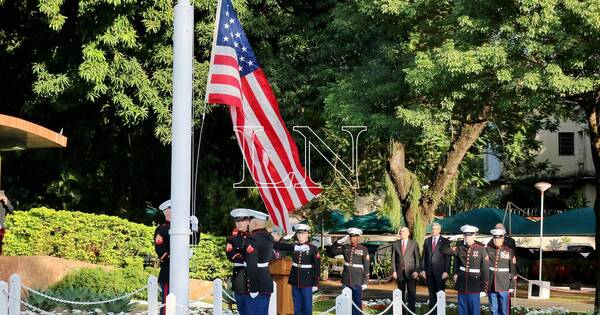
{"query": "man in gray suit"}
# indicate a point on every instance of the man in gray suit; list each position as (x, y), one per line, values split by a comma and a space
(406, 265)
(436, 265)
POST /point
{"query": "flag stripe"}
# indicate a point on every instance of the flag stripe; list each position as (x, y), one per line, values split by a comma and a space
(225, 79)
(224, 99)
(225, 70)
(227, 61)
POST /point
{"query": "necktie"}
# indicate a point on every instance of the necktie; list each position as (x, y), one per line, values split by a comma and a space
(433, 243)
(403, 247)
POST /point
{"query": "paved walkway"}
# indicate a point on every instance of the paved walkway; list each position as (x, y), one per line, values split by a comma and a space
(576, 302)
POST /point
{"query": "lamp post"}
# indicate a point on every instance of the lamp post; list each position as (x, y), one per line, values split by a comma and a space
(541, 186)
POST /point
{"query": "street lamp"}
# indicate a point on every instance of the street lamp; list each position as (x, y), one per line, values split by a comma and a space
(541, 186)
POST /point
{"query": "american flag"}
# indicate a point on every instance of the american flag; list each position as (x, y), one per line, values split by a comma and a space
(236, 79)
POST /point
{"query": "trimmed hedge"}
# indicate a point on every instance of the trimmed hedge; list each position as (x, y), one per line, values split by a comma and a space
(101, 239)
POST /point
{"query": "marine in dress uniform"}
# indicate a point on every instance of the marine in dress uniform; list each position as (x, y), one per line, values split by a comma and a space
(258, 252)
(471, 266)
(356, 265)
(162, 248)
(503, 273)
(235, 253)
(305, 272)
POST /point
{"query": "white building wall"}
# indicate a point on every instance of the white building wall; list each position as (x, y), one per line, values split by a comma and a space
(579, 164)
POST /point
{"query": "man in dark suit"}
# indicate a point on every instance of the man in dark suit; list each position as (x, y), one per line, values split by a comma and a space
(436, 265)
(406, 265)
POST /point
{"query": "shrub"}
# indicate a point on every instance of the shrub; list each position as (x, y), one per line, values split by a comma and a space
(115, 282)
(209, 261)
(79, 295)
(101, 239)
(98, 239)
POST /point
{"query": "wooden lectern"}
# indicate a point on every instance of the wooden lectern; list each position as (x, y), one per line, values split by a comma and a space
(280, 269)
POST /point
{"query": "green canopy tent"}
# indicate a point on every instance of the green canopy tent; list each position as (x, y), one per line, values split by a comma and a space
(485, 219)
(370, 223)
(573, 222)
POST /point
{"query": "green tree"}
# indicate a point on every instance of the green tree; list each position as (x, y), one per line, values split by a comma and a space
(440, 80)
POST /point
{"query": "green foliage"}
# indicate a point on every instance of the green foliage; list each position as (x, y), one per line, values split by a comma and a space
(209, 261)
(98, 239)
(105, 240)
(114, 282)
(577, 201)
(391, 207)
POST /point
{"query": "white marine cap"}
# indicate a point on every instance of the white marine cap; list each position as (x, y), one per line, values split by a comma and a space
(468, 229)
(498, 232)
(257, 215)
(239, 213)
(301, 227)
(354, 231)
(165, 205)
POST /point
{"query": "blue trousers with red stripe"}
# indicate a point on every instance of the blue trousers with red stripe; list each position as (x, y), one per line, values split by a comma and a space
(164, 287)
(469, 304)
(499, 302)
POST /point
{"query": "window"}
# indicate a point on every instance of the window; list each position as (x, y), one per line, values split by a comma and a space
(566, 143)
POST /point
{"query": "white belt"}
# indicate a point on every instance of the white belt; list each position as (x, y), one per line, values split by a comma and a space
(301, 266)
(499, 269)
(262, 265)
(239, 264)
(470, 270)
(355, 266)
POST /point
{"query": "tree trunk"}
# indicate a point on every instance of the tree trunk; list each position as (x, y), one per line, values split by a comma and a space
(590, 106)
(447, 170)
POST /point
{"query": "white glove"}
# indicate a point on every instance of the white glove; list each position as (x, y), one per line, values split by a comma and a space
(288, 237)
(194, 223)
(481, 294)
(301, 248)
(364, 287)
(343, 239)
(315, 289)
(253, 294)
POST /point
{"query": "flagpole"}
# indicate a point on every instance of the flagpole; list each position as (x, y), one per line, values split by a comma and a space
(212, 49)
(181, 153)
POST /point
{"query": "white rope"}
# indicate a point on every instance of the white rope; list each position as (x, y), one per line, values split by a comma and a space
(410, 312)
(357, 308)
(386, 309)
(229, 296)
(57, 299)
(327, 311)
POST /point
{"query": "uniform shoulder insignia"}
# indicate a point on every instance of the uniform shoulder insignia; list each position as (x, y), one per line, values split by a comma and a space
(229, 247)
(158, 240)
(250, 249)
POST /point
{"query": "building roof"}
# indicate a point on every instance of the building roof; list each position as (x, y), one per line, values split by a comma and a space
(19, 134)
